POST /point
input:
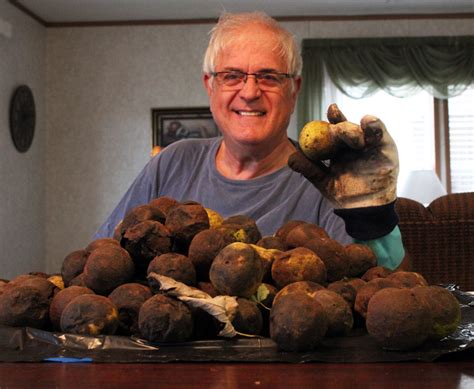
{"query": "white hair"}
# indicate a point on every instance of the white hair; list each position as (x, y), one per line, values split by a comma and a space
(227, 30)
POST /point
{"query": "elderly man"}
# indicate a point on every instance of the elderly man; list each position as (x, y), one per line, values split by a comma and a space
(252, 73)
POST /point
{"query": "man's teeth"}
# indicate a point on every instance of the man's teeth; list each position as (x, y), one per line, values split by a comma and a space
(250, 113)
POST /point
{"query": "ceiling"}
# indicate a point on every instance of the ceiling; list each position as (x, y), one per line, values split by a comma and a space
(86, 11)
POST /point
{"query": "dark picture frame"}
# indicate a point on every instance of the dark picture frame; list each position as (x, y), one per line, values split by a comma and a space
(172, 124)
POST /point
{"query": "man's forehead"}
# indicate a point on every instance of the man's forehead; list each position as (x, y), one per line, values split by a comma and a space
(251, 50)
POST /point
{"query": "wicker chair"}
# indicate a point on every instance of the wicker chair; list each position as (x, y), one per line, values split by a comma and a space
(440, 238)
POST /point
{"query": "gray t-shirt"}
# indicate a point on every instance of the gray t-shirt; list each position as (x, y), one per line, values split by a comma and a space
(186, 170)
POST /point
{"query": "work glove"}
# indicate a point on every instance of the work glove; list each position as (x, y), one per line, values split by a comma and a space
(353, 166)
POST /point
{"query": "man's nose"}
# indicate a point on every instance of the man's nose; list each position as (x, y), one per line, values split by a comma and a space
(250, 89)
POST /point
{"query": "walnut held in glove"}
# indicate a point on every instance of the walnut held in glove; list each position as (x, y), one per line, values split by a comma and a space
(363, 161)
(321, 140)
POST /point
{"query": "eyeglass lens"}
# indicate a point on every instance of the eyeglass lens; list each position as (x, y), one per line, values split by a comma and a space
(238, 79)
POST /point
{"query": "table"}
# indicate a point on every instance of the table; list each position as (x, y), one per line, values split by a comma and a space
(446, 375)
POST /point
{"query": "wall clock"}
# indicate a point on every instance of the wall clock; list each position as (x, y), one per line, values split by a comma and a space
(22, 118)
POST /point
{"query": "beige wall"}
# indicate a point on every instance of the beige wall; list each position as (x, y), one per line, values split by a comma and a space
(101, 85)
(22, 175)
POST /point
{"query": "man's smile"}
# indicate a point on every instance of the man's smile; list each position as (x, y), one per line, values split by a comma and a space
(249, 113)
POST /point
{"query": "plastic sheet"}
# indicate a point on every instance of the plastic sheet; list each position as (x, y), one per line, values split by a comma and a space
(33, 345)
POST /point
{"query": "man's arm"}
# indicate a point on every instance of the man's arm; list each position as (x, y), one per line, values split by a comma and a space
(356, 168)
(388, 249)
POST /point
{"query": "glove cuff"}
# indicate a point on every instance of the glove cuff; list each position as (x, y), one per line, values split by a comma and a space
(369, 223)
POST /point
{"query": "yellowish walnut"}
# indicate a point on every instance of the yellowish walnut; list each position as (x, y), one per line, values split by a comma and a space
(215, 219)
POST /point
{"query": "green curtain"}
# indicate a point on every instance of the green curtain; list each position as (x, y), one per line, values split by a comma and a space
(443, 66)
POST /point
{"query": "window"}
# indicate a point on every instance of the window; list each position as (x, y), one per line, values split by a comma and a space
(417, 86)
(461, 141)
(411, 123)
(408, 120)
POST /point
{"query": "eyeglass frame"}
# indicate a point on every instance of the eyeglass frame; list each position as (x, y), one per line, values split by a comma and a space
(246, 75)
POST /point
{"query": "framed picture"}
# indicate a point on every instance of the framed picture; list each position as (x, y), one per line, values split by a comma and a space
(172, 124)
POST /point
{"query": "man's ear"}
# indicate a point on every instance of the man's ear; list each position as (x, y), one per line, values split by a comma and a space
(207, 81)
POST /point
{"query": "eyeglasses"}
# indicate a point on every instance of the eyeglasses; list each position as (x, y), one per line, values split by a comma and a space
(235, 80)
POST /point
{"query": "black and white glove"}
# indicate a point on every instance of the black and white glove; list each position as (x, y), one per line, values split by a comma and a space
(353, 166)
